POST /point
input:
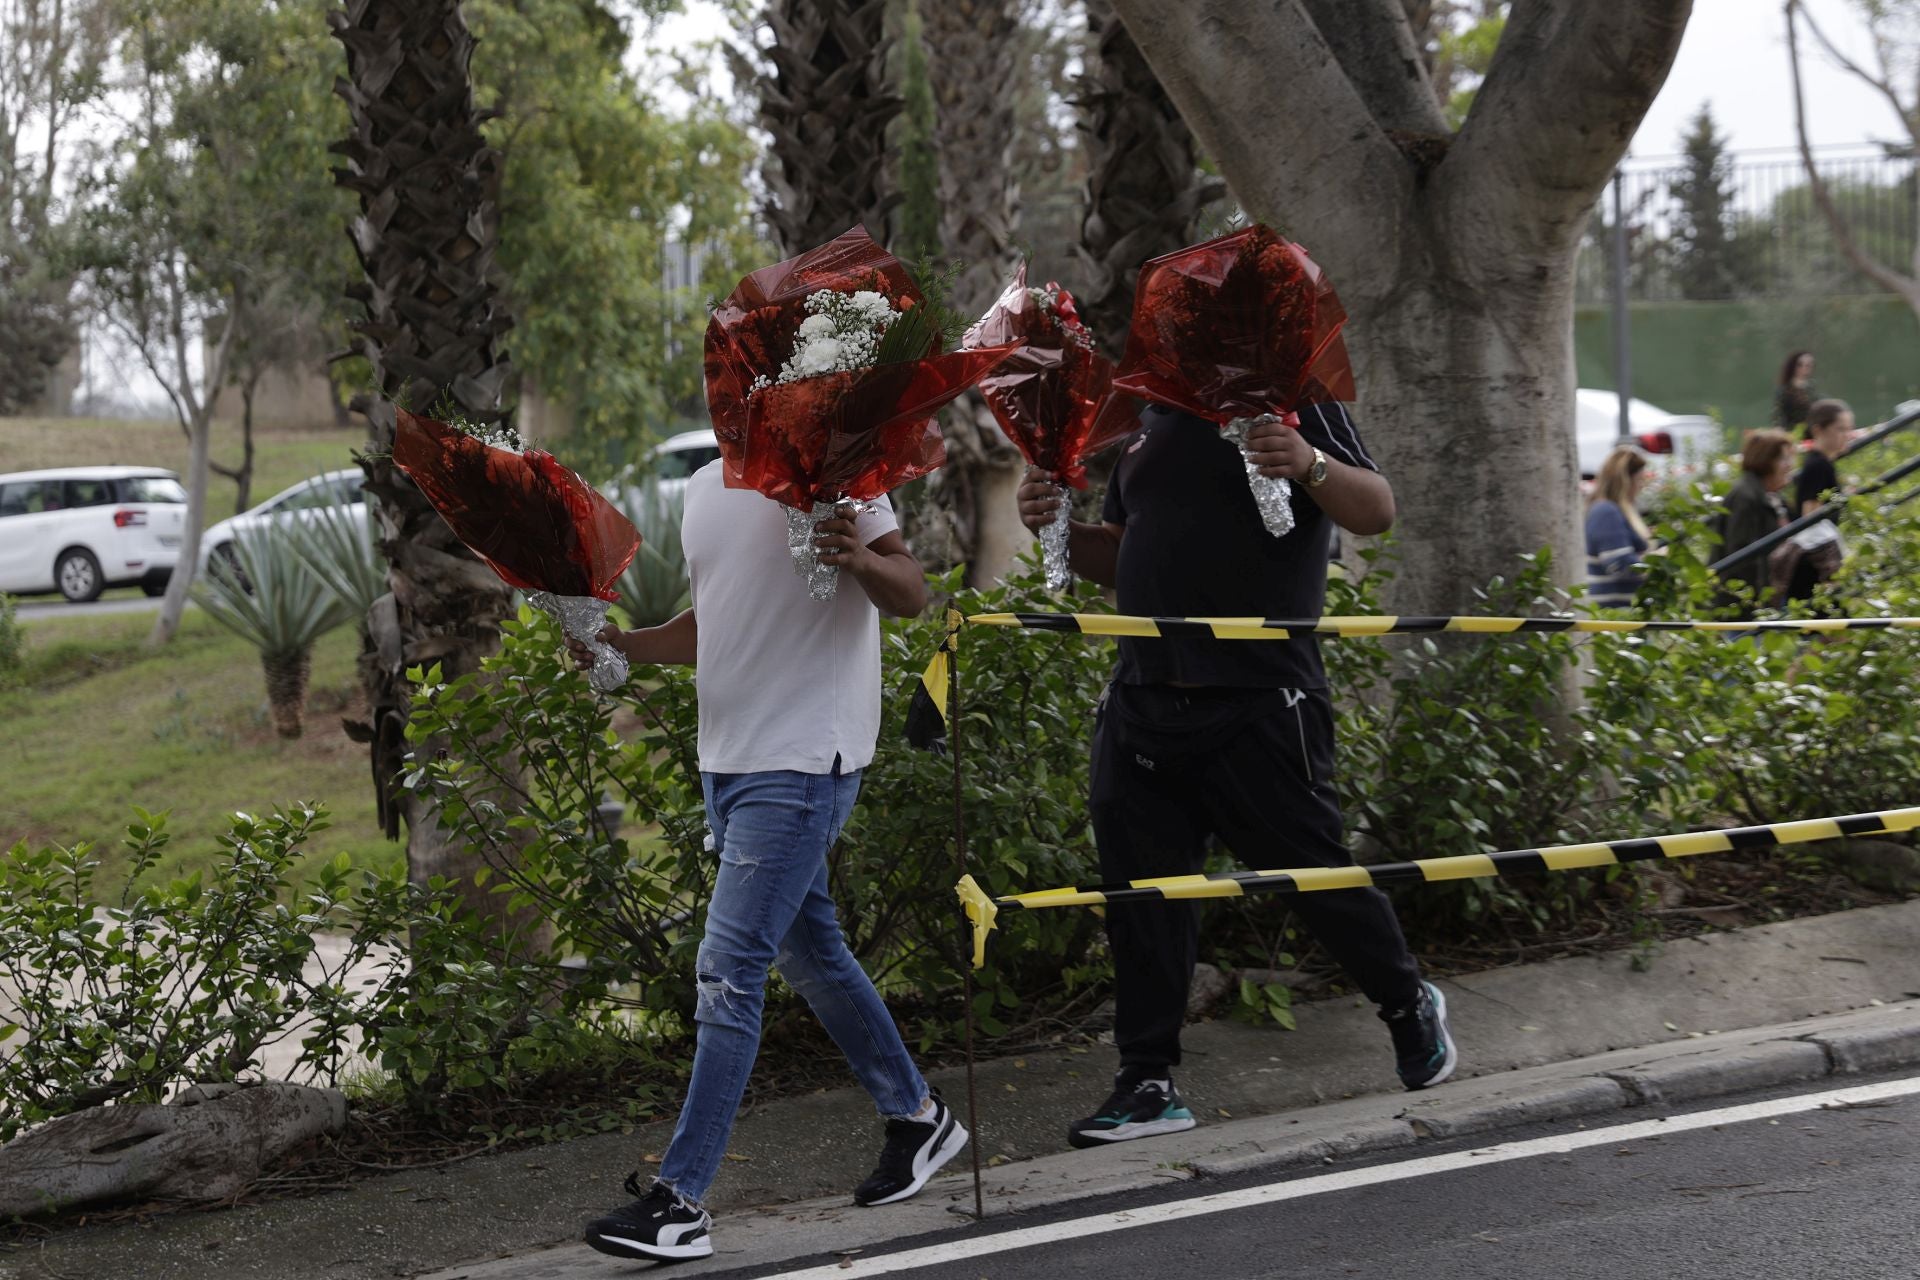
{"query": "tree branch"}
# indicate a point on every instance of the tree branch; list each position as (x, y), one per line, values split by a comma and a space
(1268, 100)
(1570, 82)
(1375, 45)
(1879, 83)
(1843, 236)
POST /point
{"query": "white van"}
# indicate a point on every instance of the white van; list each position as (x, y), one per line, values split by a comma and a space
(80, 530)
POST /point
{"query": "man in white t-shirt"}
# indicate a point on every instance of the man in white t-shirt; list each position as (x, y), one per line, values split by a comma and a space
(789, 712)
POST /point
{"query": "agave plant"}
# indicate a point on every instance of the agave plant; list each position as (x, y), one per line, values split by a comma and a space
(336, 544)
(654, 588)
(268, 597)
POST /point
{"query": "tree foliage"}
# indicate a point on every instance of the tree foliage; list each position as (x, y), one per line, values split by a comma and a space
(52, 58)
(618, 218)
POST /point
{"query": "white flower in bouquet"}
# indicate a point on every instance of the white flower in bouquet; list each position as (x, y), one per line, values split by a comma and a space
(500, 435)
(841, 333)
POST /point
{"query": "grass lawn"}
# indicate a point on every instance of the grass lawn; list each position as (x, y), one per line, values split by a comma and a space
(98, 723)
(281, 456)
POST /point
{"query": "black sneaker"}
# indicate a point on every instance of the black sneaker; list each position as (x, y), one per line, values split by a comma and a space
(914, 1152)
(659, 1226)
(1139, 1108)
(1422, 1042)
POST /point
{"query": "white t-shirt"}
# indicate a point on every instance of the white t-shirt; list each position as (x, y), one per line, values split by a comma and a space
(785, 681)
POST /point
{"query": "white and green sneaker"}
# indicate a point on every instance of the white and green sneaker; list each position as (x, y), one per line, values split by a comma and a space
(1138, 1108)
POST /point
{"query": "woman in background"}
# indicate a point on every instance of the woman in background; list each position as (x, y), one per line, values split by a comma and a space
(1617, 535)
(1794, 394)
(1754, 507)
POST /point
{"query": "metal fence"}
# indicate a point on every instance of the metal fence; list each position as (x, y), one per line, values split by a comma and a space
(1752, 228)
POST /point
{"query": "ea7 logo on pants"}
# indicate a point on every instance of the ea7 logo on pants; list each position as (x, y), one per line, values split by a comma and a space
(1142, 761)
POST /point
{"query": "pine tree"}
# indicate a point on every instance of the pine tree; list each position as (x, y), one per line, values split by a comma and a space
(1705, 253)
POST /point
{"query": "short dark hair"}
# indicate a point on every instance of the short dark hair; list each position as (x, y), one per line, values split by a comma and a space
(1823, 413)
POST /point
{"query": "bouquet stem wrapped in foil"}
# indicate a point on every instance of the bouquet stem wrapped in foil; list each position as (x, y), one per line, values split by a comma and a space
(823, 580)
(1272, 494)
(582, 617)
(1053, 545)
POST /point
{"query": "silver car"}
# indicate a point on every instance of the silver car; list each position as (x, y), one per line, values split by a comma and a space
(334, 488)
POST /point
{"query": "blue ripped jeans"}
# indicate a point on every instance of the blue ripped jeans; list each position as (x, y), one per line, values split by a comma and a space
(771, 907)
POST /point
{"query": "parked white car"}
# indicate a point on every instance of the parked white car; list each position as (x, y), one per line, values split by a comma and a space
(334, 487)
(80, 530)
(1679, 444)
(671, 464)
(676, 458)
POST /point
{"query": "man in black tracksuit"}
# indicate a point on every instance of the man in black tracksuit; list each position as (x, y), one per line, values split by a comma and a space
(1230, 738)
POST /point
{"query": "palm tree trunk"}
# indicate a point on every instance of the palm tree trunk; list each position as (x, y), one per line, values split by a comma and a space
(1145, 188)
(826, 101)
(967, 43)
(287, 675)
(426, 236)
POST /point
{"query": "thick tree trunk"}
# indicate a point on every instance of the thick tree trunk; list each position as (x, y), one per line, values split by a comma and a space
(1452, 253)
(827, 101)
(1468, 409)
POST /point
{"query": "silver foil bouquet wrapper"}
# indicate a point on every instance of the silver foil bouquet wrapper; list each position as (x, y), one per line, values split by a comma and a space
(1272, 494)
(1053, 545)
(823, 580)
(582, 617)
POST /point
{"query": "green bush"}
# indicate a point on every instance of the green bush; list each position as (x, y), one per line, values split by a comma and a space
(1464, 745)
(1774, 726)
(119, 997)
(629, 912)
(1025, 719)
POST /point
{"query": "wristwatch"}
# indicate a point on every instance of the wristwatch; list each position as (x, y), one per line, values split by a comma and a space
(1317, 473)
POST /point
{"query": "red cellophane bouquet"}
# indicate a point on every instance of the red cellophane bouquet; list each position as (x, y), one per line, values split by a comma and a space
(1053, 396)
(534, 522)
(824, 373)
(1238, 330)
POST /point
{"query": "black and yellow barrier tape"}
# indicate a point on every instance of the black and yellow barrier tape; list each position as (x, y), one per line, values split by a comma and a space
(927, 713)
(983, 910)
(1115, 624)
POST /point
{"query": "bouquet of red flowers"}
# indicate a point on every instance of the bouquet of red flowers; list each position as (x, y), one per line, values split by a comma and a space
(1242, 329)
(535, 523)
(1053, 396)
(824, 373)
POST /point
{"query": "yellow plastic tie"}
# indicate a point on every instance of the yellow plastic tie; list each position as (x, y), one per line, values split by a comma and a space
(981, 913)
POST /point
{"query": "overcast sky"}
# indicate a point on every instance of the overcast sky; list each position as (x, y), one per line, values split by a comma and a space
(1734, 58)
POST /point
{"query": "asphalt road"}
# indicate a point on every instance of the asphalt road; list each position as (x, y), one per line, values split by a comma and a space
(1798, 1190)
(116, 602)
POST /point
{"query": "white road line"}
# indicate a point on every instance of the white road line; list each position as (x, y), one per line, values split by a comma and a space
(1154, 1215)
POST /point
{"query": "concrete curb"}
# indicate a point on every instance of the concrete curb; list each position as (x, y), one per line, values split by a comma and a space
(1871, 1040)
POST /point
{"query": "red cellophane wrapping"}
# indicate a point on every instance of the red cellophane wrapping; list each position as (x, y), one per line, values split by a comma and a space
(540, 526)
(1054, 395)
(1239, 326)
(855, 434)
